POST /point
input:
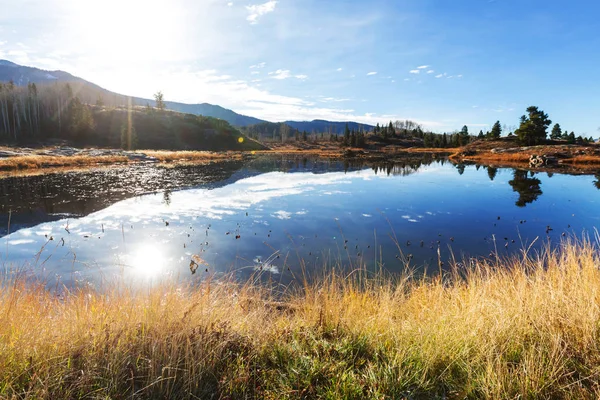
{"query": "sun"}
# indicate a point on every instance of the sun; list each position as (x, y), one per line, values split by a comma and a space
(127, 31)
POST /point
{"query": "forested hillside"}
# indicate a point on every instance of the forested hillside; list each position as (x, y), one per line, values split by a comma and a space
(79, 114)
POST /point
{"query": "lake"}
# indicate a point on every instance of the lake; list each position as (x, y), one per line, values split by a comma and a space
(281, 219)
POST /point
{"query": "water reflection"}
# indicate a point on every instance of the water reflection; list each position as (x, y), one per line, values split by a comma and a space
(492, 172)
(282, 216)
(528, 187)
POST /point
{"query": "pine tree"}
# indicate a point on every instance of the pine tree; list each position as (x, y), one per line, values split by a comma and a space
(496, 131)
(159, 99)
(346, 136)
(532, 129)
(463, 136)
(556, 132)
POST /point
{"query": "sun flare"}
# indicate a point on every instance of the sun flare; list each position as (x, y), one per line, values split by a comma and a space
(128, 31)
(148, 261)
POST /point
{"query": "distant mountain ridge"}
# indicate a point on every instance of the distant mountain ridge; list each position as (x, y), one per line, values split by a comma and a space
(23, 75)
(319, 125)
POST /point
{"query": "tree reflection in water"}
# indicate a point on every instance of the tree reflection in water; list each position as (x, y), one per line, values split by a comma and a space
(527, 187)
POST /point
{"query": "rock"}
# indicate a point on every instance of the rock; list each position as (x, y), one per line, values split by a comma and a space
(8, 153)
(536, 161)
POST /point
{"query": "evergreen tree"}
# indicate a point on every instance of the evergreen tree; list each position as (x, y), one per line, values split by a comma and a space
(480, 136)
(159, 99)
(304, 138)
(532, 129)
(391, 130)
(463, 136)
(444, 140)
(571, 138)
(496, 131)
(346, 136)
(556, 132)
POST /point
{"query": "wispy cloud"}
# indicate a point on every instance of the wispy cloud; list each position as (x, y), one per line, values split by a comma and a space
(440, 75)
(339, 69)
(285, 74)
(257, 10)
(259, 65)
(333, 100)
(281, 74)
(414, 71)
(423, 67)
(254, 73)
(372, 73)
(430, 71)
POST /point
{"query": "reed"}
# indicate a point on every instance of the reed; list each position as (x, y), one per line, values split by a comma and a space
(521, 327)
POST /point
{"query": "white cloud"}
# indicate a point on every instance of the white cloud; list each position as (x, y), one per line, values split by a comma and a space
(339, 69)
(430, 71)
(259, 65)
(406, 79)
(333, 100)
(285, 74)
(372, 73)
(423, 67)
(254, 73)
(257, 10)
(281, 74)
(230, 4)
(414, 71)
(459, 76)
(441, 75)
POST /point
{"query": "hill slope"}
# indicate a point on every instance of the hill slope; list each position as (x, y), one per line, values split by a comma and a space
(91, 93)
(22, 75)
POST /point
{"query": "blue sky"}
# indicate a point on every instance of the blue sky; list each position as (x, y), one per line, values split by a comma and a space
(441, 63)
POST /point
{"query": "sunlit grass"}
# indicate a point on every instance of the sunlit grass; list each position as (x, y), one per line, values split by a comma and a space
(35, 161)
(526, 327)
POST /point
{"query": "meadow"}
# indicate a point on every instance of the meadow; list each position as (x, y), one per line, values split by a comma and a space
(521, 327)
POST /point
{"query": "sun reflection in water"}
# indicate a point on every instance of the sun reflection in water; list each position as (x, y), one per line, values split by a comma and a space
(148, 261)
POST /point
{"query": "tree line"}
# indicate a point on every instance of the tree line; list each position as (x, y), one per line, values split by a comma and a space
(79, 115)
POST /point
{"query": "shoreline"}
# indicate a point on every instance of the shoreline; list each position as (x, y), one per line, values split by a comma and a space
(524, 327)
(572, 159)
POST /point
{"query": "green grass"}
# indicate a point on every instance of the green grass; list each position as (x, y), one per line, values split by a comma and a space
(527, 327)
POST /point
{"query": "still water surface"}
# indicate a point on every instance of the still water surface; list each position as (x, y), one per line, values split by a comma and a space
(281, 217)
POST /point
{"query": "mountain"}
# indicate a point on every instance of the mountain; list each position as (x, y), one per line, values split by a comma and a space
(90, 92)
(319, 125)
(22, 75)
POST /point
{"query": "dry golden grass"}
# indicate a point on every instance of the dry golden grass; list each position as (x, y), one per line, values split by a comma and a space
(527, 327)
(43, 161)
(174, 156)
(521, 157)
(583, 159)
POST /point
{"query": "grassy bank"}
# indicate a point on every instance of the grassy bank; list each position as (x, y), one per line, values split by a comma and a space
(522, 328)
(42, 161)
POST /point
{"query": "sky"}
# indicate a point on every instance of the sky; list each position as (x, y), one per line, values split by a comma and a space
(441, 63)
